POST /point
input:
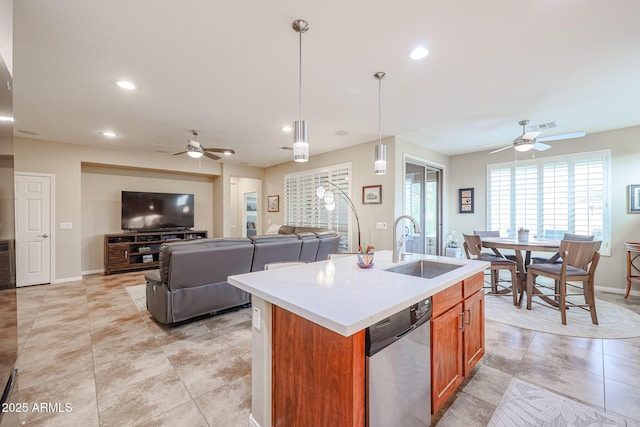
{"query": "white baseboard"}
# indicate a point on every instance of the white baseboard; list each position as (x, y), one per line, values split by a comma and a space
(253, 422)
(89, 272)
(67, 280)
(617, 290)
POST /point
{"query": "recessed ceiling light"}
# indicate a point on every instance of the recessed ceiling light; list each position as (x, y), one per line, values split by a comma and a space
(341, 132)
(286, 129)
(126, 85)
(419, 53)
(109, 134)
(6, 118)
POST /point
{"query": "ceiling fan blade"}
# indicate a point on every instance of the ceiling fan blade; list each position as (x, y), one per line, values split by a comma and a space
(539, 146)
(529, 136)
(175, 154)
(500, 149)
(220, 150)
(211, 156)
(562, 136)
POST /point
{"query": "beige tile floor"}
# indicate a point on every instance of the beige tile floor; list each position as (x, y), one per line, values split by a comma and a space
(85, 343)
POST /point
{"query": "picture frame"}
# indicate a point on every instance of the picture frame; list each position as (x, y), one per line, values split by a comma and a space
(372, 195)
(633, 199)
(465, 200)
(273, 203)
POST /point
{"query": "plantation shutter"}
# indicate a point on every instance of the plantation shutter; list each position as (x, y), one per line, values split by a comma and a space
(551, 196)
(303, 208)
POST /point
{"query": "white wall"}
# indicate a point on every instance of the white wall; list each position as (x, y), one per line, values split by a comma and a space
(469, 170)
(65, 161)
(6, 33)
(101, 203)
(362, 158)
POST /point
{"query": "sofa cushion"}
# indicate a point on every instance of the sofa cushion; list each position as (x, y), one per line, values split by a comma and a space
(277, 250)
(286, 229)
(206, 266)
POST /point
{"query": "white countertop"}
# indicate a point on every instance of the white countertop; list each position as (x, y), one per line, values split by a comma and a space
(344, 298)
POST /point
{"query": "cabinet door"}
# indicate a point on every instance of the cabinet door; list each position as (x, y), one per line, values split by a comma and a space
(118, 255)
(473, 330)
(446, 355)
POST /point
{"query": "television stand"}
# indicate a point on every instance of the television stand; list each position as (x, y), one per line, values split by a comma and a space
(140, 250)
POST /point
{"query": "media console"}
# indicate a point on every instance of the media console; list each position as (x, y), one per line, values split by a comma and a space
(137, 251)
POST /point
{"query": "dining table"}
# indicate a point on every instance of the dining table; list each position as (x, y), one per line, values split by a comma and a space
(520, 247)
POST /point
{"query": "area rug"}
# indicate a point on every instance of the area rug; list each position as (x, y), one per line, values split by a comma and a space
(138, 294)
(614, 321)
(524, 404)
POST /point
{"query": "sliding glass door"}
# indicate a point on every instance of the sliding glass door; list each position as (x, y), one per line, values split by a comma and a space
(423, 201)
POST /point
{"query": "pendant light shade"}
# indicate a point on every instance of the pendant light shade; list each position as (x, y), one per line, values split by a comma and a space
(380, 165)
(301, 130)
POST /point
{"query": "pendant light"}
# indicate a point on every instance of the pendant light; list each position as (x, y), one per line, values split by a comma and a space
(300, 128)
(380, 165)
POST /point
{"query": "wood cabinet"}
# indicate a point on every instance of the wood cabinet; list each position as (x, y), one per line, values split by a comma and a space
(136, 251)
(318, 376)
(457, 336)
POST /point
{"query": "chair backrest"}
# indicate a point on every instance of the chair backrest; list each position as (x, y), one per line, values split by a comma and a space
(579, 254)
(487, 233)
(473, 246)
(578, 237)
(272, 265)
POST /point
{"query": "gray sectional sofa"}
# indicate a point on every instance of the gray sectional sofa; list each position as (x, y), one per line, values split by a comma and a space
(192, 278)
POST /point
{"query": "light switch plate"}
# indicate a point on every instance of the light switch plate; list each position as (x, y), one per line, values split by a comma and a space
(256, 318)
(381, 225)
(66, 225)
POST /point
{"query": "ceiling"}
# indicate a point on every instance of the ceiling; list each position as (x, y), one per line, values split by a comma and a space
(230, 70)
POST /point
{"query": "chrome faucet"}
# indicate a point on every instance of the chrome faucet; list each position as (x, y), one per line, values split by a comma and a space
(398, 244)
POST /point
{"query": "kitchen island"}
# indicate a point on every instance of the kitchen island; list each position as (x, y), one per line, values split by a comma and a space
(309, 323)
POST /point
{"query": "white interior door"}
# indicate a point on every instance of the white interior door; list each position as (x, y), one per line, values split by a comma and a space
(33, 229)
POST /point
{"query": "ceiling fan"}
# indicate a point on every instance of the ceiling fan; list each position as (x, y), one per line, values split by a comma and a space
(196, 150)
(528, 140)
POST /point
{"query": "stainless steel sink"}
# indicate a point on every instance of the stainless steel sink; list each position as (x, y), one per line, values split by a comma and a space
(423, 268)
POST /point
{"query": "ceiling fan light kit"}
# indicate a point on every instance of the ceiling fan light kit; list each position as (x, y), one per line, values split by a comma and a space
(195, 150)
(301, 129)
(530, 141)
(523, 145)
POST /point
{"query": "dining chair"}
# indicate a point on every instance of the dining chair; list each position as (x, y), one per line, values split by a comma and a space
(493, 233)
(566, 236)
(579, 262)
(473, 250)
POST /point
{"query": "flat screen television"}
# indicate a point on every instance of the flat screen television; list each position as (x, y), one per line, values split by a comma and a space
(145, 211)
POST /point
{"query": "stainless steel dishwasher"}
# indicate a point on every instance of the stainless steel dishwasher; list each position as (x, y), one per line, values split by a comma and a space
(398, 365)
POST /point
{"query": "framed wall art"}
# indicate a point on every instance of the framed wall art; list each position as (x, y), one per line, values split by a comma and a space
(372, 195)
(634, 199)
(273, 203)
(465, 204)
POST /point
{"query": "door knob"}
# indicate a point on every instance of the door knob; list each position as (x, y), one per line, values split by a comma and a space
(43, 235)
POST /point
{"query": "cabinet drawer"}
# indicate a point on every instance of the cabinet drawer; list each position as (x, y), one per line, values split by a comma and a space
(472, 285)
(446, 299)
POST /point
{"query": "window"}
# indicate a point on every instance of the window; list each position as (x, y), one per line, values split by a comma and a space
(551, 196)
(303, 208)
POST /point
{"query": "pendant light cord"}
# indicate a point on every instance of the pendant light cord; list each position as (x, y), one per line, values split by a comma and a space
(300, 78)
(380, 111)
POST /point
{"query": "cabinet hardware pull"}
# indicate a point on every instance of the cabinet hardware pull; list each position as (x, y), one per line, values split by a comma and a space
(469, 317)
(126, 254)
(462, 321)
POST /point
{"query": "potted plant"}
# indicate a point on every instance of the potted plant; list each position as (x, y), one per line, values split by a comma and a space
(452, 249)
(365, 256)
(523, 235)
